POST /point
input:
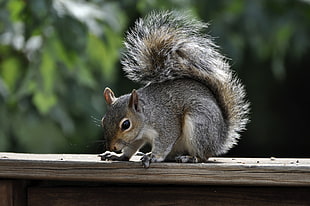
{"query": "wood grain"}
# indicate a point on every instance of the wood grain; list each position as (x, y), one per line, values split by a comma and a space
(12, 193)
(219, 171)
(6, 193)
(167, 195)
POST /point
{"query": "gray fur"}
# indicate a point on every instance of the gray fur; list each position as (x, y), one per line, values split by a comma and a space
(192, 103)
(170, 45)
(193, 98)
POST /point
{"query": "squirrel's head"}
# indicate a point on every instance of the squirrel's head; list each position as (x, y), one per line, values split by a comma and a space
(123, 121)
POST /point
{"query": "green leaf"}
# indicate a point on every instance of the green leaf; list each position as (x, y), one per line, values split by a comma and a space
(105, 54)
(44, 97)
(10, 72)
(60, 54)
(44, 102)
(102, 56)
(283, 36)
(85, 76)
(47, 70)
(15, 7)
(72, 33)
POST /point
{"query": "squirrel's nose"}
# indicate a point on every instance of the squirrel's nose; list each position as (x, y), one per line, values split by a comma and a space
(113, 148)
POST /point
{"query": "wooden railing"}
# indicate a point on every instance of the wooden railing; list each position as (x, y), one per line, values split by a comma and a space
(71, 179)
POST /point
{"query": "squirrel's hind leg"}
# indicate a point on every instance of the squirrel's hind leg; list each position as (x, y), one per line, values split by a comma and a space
(162, 145)
(209, 133)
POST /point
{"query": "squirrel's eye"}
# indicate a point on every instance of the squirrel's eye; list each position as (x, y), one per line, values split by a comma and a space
(125, 125)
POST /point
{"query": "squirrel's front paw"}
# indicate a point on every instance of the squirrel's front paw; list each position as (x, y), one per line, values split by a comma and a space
(147, 159)
(112, 156)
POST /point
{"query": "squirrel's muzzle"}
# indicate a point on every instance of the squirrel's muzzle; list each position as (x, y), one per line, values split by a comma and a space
(116, 145)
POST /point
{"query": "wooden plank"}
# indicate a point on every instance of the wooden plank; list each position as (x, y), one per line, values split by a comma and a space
(219, 171)
(12, 193)
(6, 193)
(167, 195)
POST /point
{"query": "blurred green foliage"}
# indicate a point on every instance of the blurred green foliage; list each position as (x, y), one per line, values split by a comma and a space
(57, 56)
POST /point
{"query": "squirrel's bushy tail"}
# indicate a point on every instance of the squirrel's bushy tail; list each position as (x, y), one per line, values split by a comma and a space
(170, 45)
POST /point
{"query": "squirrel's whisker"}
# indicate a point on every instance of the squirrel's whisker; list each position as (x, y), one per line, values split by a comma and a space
(96, 121)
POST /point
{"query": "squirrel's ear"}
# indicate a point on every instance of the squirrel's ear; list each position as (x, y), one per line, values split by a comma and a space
(109, 96)
(134, 101)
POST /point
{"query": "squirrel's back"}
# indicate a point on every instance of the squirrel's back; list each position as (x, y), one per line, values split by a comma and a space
(169, 45)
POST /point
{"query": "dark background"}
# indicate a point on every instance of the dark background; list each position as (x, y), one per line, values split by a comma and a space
(56, 57)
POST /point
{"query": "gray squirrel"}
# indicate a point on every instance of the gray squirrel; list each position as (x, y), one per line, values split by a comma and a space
(192, 105)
